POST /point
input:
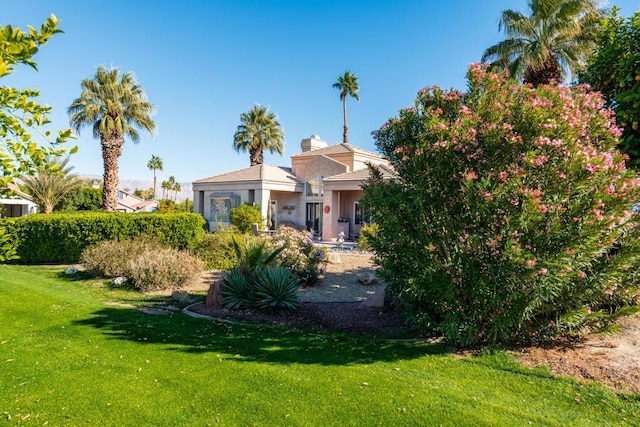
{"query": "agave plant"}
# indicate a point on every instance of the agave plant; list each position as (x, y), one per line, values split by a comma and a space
(275, 290)
(236, 291)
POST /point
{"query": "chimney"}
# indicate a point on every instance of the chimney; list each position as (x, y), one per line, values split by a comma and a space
(312, 143)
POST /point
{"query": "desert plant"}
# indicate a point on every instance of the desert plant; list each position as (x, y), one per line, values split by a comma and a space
(145, 261)
(243, 216)
(275, 290)
(163, 268)
(510, 212)
(109, 258)
(236, 290)
(253, 253)
(299, 254)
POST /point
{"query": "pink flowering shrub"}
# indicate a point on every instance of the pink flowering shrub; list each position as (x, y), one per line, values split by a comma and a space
(299, 254)
(510, 218)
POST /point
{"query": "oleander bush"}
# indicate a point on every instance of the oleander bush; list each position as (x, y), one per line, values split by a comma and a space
(61, 238)
(510, 217)
(145, 262)
(299, 254)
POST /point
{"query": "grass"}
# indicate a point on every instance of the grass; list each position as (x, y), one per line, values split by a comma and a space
(67, 358)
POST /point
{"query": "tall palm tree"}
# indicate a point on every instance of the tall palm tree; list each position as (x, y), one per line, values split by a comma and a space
(171, 186)
(554, 39)
(155, 164)
(166, 185)
(347, 84)
(114, 106)
(176, 189)
(51, 183)
(259, 130)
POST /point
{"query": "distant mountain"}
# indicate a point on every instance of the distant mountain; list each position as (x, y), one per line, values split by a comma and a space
(134, 184)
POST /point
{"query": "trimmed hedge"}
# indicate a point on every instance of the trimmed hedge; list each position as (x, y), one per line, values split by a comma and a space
(61, 238)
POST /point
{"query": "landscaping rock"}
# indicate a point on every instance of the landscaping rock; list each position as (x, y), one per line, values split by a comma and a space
(334, 258)
(180, 296)
(214, 298)
(368, 279)
(119, 281)
(70, 270)
(378, 302)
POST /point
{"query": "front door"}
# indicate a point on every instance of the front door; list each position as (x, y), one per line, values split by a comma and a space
(314, 218)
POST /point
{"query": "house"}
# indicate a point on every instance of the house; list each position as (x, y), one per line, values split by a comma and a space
(130, 203)
(319, 192)
(16, 204)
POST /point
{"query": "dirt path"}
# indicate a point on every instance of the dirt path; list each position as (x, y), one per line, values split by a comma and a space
(611, 359)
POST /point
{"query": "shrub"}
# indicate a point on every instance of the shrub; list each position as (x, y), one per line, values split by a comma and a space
(254, 284)
(110, 258)
(275, 290)
(243, 216)
(164, 268)
(236, 291)
(216, 249)
(144, 260)
(299, 254)
(61, 238)
(367, 232)
(510, 216)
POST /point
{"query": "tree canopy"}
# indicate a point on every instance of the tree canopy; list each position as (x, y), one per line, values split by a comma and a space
(554, 39)
(614, 70)
(259, 130)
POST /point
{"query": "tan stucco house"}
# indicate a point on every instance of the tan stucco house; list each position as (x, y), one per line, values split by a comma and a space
(319, 192)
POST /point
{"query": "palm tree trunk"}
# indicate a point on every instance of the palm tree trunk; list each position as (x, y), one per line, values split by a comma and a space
(256, 156)
(155, 194)
(345, 133)
(111, 150)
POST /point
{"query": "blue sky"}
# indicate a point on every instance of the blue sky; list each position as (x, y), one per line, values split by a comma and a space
(203, 63)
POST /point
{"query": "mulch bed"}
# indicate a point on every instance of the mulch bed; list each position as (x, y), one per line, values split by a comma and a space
(336, 316)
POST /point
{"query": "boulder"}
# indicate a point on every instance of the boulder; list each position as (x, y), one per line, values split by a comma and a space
(334, 258)
(369, 278)
(378, 302)
(214, 299)
(70, 270)
(180, 296)
(119, 281)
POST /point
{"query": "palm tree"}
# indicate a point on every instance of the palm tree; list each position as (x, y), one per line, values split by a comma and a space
(166, 186)
(155, 164)
(171, 186)
(554, 39)
(51, 183)
(259, 130)
(176, 189)
(114, 106)
(347, 85)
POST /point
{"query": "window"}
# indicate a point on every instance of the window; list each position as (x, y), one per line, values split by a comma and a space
(360, 214)
(220, 207)
(314, 187)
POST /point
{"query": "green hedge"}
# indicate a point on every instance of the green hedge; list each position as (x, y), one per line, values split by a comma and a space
(60, 238)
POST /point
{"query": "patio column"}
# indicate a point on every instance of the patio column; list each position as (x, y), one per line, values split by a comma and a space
(331, 200)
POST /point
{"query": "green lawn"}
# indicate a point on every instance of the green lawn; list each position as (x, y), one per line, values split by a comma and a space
(70, 359)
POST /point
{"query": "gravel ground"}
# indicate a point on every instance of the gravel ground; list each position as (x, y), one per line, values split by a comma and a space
(333, 303)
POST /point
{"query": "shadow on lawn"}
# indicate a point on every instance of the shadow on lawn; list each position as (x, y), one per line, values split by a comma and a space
(251, 342)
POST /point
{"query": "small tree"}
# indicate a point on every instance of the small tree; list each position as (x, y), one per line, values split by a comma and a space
(52, 182)
(244, 216)
(614, 70)
(510, 217)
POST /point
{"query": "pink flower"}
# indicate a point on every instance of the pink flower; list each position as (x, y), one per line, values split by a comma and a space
(543, 271)
(470, 176)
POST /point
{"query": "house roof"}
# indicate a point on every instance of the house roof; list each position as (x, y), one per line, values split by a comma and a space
(362, 174)
(337, 149)
(254, 173)
(15, 189)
